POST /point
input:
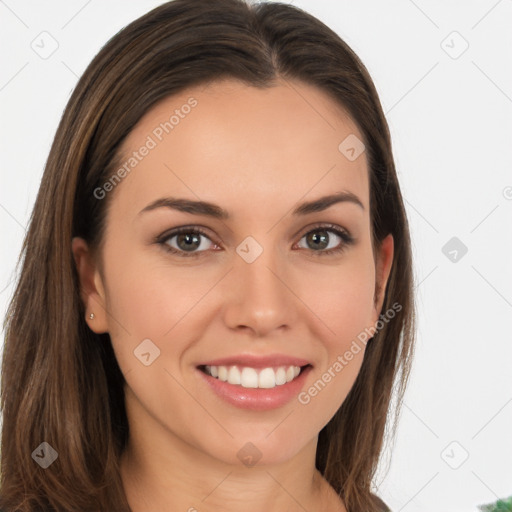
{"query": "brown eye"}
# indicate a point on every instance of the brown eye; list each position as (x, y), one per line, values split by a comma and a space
(318, 239)
(186, 241)
(326, 240)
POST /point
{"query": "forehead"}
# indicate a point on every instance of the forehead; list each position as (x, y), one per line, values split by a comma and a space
(231, 143)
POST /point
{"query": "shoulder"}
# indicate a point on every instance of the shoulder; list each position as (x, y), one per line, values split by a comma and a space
(382, 506)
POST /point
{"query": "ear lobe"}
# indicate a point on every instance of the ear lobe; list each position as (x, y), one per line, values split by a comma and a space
(384, 261)
(91, 286)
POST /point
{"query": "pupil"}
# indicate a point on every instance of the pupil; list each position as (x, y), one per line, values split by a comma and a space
(189, 240)
(319, 238)
(323, 239)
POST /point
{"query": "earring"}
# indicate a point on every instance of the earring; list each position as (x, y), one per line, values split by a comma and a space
(91, 316)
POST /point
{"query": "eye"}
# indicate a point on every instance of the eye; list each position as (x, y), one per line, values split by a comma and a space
(186, 241)
(327, 239)
(189, 241)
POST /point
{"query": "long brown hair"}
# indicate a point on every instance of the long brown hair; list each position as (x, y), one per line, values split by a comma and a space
(60, 382)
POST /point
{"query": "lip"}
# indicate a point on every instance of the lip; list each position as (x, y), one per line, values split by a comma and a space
(256, 361)
(256, 399)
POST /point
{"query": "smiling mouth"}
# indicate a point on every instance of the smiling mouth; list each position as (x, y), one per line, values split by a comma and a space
(247, 377)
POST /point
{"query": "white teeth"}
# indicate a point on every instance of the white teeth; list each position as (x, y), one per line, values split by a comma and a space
(281, 376)
(234, 375)
(250, 378)
(267, 378)
(223, 373)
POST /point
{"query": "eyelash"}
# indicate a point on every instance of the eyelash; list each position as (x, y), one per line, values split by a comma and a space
(162, 240)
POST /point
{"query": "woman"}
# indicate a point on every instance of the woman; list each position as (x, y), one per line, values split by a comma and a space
(217, 274)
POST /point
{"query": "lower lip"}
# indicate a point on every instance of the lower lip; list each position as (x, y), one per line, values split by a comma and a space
(257, 399)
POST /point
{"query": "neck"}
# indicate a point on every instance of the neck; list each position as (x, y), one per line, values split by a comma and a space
(182, 477)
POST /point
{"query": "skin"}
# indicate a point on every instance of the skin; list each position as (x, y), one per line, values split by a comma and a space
(258, 154)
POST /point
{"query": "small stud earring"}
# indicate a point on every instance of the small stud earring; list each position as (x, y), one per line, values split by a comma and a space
(91, 316)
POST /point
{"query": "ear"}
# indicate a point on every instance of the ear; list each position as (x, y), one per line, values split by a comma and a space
(384, 260)
(91, 286)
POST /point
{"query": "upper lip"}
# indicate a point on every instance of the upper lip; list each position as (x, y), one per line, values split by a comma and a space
(256, 361)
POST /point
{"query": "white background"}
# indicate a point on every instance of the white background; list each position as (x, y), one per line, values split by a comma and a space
(451, 125)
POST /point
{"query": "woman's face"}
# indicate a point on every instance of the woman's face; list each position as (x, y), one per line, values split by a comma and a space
(271, 284)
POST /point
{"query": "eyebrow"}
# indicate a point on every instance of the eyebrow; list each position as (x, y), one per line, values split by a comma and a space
(215, 211)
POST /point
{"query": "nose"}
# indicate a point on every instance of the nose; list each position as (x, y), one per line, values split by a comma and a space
(259, 296)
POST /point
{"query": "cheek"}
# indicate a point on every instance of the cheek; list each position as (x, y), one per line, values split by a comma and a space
(343, 301)
(341, 297)
(148, 300)
(325, 393)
